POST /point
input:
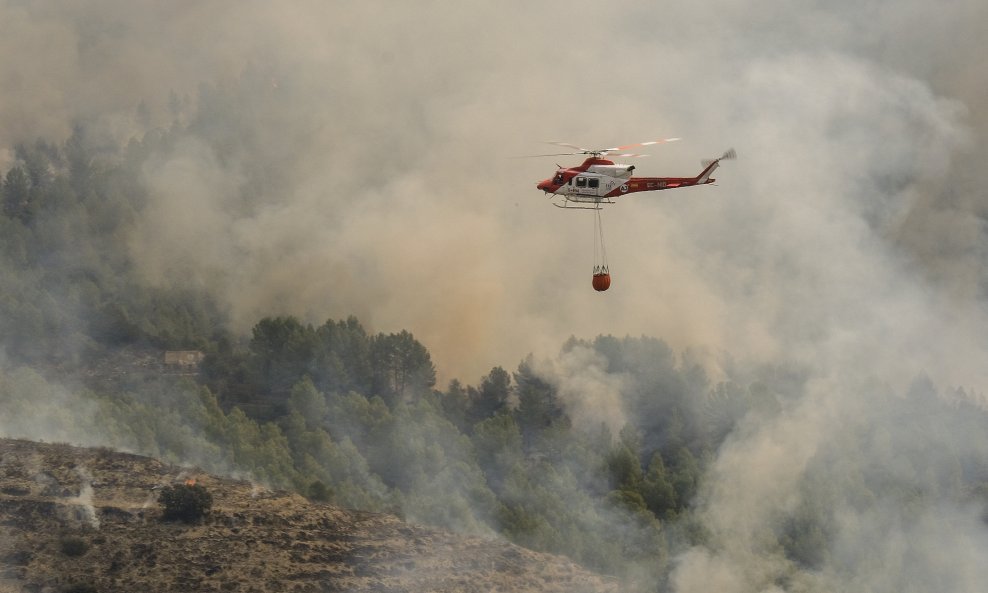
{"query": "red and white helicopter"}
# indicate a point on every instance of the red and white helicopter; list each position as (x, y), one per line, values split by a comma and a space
(598, 180)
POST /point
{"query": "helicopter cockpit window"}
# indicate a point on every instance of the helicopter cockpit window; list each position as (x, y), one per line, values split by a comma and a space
(581, 182)
(558, 179)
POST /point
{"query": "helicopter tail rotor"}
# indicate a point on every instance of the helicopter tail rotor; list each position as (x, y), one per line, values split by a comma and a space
(710, 165)
(729, 154)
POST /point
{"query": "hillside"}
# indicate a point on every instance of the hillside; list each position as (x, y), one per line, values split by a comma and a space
(254, 540)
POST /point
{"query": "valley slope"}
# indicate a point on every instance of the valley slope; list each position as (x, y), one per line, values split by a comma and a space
(52, 497)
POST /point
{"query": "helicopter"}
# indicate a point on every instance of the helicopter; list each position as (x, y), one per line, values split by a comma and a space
(598, 180)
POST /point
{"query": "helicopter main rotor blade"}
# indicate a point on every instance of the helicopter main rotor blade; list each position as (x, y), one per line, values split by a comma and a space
(600, 152)
(532, 156)
(568, 145)
(649, 143)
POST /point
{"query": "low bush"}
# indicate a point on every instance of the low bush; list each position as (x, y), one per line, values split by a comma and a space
(320, 492)
(73, 546)
(185, 502)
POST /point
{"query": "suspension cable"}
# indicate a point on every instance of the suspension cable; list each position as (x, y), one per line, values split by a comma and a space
(600, 265)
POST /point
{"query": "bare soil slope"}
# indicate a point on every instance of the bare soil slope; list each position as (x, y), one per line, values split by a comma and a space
(87, 520)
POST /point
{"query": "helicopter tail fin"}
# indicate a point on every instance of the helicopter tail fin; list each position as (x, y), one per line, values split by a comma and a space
(710, 165)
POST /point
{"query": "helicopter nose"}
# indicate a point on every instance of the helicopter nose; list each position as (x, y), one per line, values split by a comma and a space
(543, 185)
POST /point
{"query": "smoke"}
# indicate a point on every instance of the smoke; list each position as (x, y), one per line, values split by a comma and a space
(590, 394)
(84, 510)
(849, 237)
(362, 167)
(873, 479)
(36, 408)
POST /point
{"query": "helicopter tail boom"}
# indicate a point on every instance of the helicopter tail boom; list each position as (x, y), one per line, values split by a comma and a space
(639, 184)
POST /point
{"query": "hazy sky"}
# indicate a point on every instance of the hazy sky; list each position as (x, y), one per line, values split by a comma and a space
(850, 220)
(849, 235)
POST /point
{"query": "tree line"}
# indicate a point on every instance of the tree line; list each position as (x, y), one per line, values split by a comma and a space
(332, 411)
(343, 415)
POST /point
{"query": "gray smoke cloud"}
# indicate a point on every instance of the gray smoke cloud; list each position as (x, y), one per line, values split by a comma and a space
(875, 473)
(849, 237)
(390, 197)
(592, 396)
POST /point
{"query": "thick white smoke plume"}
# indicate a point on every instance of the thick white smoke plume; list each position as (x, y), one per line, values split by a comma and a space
(849, 237)
(592, 396)
(388, 194)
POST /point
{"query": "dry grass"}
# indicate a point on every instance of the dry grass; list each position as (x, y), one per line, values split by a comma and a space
(254, 540)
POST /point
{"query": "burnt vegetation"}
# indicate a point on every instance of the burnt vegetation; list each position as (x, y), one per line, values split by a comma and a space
(252, 539)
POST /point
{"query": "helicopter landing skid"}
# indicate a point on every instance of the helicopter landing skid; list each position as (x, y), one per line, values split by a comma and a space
(596, 204)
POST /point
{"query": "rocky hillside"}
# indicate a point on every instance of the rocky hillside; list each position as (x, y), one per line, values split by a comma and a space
(87, 520)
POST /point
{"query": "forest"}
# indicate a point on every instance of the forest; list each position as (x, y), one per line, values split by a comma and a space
(356, 418)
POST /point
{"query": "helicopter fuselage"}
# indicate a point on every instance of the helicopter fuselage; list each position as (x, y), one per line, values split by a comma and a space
(598, 180)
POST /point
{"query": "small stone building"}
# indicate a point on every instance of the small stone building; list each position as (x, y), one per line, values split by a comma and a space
(186, 359)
